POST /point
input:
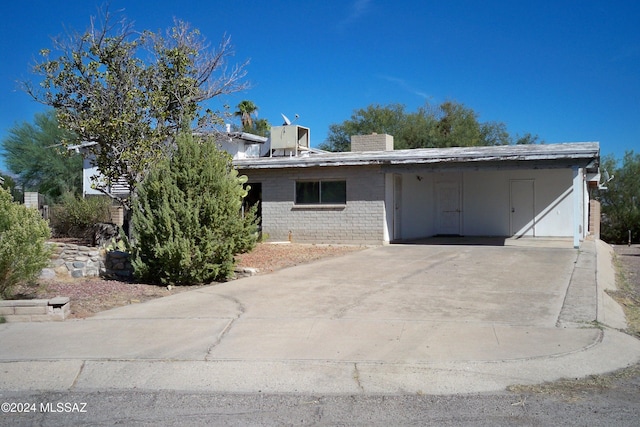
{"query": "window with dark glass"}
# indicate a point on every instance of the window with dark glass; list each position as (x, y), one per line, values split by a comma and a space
(321, 192)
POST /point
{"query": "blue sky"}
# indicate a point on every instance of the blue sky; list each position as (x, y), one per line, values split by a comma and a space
(565, 70)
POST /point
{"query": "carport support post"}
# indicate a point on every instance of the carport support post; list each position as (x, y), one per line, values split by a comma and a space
(577, 203)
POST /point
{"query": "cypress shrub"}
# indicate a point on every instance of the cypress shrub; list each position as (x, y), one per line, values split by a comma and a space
(187, 220)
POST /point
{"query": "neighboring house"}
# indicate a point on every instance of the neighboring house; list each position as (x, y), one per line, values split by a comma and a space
(240, 145)
(375, 195)
(243, 145)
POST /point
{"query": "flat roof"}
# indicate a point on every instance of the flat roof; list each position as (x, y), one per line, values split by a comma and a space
(575, 153)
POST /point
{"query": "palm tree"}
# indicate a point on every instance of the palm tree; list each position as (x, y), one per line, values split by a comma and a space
(245, 110)
(261, 127)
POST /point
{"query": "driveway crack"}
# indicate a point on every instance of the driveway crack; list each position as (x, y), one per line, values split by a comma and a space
(342, 311)
(356, 377)
(77, 377)
(495, 334)
(241, 310)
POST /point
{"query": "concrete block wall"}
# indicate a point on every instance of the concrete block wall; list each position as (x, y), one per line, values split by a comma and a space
(33, 200)
(35, 310)
(373, 142)
(359, 221)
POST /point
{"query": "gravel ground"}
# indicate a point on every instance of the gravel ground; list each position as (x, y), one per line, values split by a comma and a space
(92, 294)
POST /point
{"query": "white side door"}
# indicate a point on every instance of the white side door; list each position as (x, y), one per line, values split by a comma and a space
(448, 208)
(522, 216)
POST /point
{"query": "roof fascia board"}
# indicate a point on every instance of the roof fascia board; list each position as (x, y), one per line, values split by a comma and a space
(572, 154)
(485, 166)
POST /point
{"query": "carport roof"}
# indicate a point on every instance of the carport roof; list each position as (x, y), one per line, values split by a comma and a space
(581, 154)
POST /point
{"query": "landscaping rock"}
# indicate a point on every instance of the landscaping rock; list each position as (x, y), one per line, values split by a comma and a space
(47, 273)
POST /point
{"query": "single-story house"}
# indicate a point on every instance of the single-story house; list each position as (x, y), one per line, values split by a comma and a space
(375, 194)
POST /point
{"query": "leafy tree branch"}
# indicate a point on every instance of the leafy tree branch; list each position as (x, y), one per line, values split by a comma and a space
(130, 92)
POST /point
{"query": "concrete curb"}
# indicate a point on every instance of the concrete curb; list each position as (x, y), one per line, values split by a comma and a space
(327, 377)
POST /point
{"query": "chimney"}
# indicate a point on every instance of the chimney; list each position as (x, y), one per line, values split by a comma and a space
(373, 142)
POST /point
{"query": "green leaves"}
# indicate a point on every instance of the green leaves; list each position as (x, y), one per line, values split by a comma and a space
(76, 216)
(449, 124)
(131, 92)
(621, 201)
(187, 217)
(23, 250)
(34, 153)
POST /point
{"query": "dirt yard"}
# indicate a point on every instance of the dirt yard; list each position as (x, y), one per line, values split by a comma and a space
(628, 281)
(92, 295)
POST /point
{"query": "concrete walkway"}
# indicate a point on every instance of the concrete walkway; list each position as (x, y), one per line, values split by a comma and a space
(427, 318)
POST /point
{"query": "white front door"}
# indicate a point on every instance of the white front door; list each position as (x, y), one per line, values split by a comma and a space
(448, 208)
(522, 208)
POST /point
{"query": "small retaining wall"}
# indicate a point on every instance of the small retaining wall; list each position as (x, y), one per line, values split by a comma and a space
(117, 265)
(70, 260)
(35, 310)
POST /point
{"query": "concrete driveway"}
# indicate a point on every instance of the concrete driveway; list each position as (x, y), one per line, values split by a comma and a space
(385, 319)
(402, 302)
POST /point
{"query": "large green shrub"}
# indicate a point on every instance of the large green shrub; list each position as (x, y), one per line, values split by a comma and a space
(23, 249)
(187, 220)
(76, 217)
(621, 200)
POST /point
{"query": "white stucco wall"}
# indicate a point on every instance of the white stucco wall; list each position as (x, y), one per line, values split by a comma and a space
(485, 202)
(418, 210)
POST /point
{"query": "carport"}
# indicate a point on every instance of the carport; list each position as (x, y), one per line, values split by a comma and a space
(522, 191)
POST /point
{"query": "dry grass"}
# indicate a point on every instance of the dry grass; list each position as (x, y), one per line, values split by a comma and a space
(573, 389)
(628, 293)
(268, 257)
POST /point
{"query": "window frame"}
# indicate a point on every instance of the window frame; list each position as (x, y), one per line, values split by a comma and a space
(320, 202)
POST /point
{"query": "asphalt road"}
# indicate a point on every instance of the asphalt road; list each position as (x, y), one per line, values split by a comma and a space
(617, 406)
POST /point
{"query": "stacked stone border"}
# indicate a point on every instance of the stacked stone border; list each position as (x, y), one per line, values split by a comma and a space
(77, 261)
